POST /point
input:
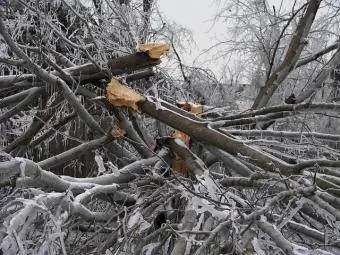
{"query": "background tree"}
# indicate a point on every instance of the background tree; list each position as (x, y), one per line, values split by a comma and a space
(88, 144)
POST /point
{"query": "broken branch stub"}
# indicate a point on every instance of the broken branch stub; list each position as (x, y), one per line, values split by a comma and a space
(120, 95)
(178, 163)
(154, 50)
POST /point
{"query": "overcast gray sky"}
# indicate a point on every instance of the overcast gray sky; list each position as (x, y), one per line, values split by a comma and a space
(196, 15)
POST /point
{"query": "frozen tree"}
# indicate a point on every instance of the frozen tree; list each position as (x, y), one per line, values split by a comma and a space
(104, 150)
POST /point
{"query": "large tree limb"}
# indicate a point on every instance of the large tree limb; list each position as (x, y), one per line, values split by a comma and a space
(292, 108)
(285, 134)
(126, 174)
(203, 133)
(320, 79)
(292, 56)
(87, 72)
(315, 56)
(14, 99)
(277, 237)
(74, 152)
(31, 173)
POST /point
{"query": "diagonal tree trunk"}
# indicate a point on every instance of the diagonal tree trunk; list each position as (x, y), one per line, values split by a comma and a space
(291, 58)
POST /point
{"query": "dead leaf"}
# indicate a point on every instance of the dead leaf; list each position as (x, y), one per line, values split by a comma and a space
(154, 50)
(121, 95)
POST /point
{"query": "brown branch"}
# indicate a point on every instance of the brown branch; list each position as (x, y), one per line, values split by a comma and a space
(201, 132)
(88, 72)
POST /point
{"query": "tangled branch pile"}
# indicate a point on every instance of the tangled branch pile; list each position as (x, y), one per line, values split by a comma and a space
(87, 160)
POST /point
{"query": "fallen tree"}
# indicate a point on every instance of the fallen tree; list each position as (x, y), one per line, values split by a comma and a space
(87, 149)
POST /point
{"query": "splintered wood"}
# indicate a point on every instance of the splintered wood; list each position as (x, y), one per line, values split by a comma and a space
(154, 50)
(178, 164)
(120, 95)
(118, 130)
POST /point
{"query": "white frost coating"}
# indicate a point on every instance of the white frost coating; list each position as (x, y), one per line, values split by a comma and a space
(137, 219)
(100, 164)
(242, 156)
(155, 99)
(201, 205)
(257, 247)
(113, 168)
(22, 166)
(308, 228)
(180, 142)
(106, 189)
(159, 106)
(292, 213)
(64, 216)
(157, 102)
(166, 245)
(264, 219)
(147, 249)
(211, 186)
(191, 238)
(3, 51)
(108, 252)
(300, 250)
(80, 185)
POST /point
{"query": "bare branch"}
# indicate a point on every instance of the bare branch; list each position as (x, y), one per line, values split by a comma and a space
(29, 99)
(277, 237)
(74, 152)
(292, 56)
